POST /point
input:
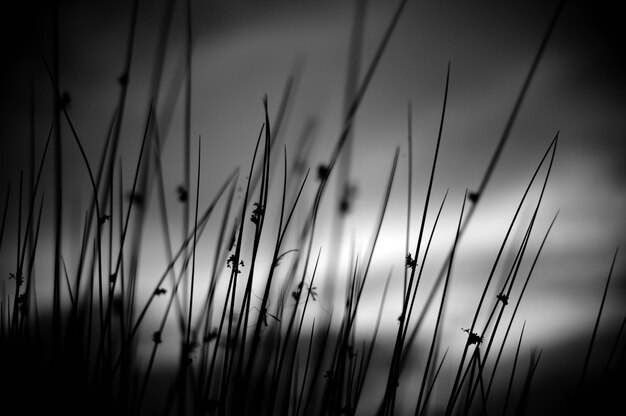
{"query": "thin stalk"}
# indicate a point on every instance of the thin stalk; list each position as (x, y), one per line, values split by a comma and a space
(306, 370)
(409, 193)
(320, 356)
(67, 282)
(205, 318)
(441, 308)
(523, 401)
(344, 191)
(614, 348)
(31, 248)
(508, 390)
(187, 138)
(595, 327)
(281, 352)
(30, 232)
(188, 345)
(372, 343)
(30, 282)
(392, 380)
(432, 383)
(165, 221)
(18, 276)
(58, 183)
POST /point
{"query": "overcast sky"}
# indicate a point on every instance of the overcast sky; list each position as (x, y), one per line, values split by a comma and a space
(244, 50)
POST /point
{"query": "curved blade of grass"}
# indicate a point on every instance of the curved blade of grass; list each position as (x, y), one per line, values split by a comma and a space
(614, 348)
(54, 81)
(432, 383)
(30, 284)
(595, 327)
(306, 370)
(519, 299)
(35, 188)
(523, 401)
(508, 391)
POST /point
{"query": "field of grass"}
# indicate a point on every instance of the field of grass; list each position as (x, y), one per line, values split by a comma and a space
(155, 298)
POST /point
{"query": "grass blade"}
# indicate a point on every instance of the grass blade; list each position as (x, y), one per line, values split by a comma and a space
(595, 327)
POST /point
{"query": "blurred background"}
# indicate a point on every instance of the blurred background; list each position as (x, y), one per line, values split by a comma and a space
(242, 51)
